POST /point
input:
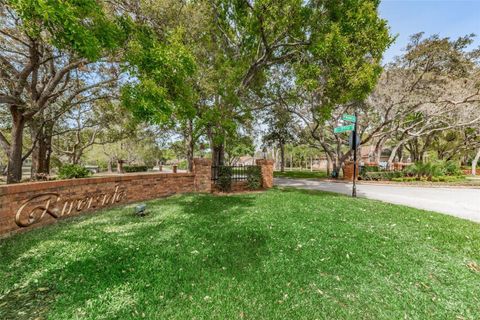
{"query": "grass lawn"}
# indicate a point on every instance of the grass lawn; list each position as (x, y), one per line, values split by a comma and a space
(282, 254)
(300, 174)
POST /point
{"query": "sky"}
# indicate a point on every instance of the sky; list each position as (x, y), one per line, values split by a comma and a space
(448, 18)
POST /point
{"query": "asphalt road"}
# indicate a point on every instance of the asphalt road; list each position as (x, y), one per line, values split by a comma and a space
(460, 202)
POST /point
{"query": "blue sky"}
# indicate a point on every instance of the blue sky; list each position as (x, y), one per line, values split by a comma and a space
(448, 18)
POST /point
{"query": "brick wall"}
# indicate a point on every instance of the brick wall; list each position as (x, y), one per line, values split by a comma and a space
(28, 205)
(468, 172)
(267, 172)
(203, 174)
(348, 170)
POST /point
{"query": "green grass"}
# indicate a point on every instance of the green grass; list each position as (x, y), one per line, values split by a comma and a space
(282, 254)
(300, 174)
(460, 182)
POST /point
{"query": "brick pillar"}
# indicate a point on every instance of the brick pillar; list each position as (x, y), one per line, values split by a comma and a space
(348, 170)
(267, 172)
(202, 168)
(397, 166)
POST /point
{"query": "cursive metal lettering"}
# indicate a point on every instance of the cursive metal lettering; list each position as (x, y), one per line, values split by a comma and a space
(39, 206)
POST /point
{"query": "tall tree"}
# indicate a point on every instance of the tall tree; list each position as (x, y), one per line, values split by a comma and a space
(224, 47)
(335, 46)
(281, 130)
(432, 88)
(42, 45)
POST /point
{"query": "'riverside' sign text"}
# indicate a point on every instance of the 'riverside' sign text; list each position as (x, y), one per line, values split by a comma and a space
(56, 206)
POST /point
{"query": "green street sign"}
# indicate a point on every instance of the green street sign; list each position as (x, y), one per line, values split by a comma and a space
(341, 129)
(349, 117)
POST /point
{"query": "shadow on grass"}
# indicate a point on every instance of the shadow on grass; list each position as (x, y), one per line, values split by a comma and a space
(72, 265)
(341, 190)
(225, 227)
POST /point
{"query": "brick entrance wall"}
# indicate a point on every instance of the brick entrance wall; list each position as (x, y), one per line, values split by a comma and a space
(28, 205)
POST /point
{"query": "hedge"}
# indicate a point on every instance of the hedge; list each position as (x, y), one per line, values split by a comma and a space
(135, 169)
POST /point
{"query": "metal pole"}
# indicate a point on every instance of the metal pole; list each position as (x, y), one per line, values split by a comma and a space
(354, 146)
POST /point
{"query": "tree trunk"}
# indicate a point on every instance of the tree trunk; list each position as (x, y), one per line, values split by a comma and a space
(276, 162)
(75, 156)
(190, 150)
(218, 155)
(329, 163)
(335, 167)
(400, 154)
(218, 149)
(39, 159)
(440, 154)
(475, 162)
(379, 149)
(14, 172)
(394, 153)
(48, 155)
(426, 146)
(42, 150)
(190, 144)
(282, 157)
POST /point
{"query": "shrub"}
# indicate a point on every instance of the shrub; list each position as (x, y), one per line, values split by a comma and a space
(182, 165)
(254, 178)
(224, 181)
(73, 171)
(365, 169)
(135, 168)
(432, 179)
(425, 170)
(452, 168)
(102, 165)
(382, 175)
(434, 169)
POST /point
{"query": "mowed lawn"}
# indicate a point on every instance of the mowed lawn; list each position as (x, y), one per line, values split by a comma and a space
(282, 254)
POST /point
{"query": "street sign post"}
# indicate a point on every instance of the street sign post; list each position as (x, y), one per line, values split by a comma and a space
(354, 143)
(349, 117)
(354, 140)
(341, 129)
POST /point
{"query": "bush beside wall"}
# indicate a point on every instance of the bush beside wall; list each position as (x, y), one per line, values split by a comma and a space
(135, 168)
(225, 178)
(73, 171)
(254, 178)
